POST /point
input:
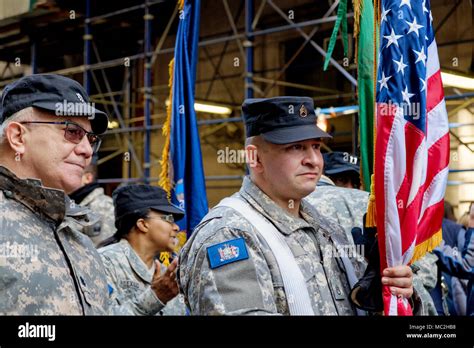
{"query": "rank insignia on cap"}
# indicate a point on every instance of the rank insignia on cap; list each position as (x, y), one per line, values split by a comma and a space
(303, 111)
(227, 252)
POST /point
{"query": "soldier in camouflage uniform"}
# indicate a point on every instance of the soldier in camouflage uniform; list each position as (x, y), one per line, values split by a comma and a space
(91, 195)
(145, 222)
(345, 205)
(226, 267)
(62, 276)
(48, 267)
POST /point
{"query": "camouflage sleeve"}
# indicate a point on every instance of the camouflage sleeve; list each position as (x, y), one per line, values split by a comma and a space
(428, 270)
(240, 287)
(105, 209)
(146, 303)
(424, 279)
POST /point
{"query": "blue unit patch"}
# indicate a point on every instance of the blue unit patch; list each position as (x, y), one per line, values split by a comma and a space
(227, 252)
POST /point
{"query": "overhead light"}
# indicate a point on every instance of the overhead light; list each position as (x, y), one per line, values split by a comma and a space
(209, 108)
(453, 80)
(113, 124)
(212, 109)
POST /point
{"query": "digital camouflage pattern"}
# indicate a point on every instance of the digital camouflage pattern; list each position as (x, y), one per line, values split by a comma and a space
(345, 206)
(103, 206)
(130, 280)
(254, 285)
(425, 273)
(58, 271)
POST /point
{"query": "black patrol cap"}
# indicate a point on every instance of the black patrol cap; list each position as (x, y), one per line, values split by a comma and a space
(55, 93)
(132, 198)
(339, 162)
(281, 120)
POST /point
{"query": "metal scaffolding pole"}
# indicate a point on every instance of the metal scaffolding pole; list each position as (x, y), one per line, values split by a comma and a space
(249, 49)
(147, 95)
(87, 47)
(33, 56)
(125, 10)
(314, 44)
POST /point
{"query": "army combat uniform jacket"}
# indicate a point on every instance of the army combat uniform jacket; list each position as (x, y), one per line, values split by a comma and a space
(58, 271)
(101, 204)
(345, 206)
(244, 277)
(48, 267)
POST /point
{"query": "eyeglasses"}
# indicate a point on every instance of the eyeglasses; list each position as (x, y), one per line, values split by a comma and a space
(168, 218)
(75, 133)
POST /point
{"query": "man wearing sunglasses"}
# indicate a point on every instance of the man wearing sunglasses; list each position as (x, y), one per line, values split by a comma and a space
(48, 134)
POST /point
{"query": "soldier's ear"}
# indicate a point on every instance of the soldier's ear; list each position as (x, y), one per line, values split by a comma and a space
(15, 134)
(253, 158)
(142, 225)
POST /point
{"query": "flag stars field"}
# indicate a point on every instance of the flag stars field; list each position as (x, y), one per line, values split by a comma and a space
(414, 27)
(406, 95)
(392, 38)
(384, 80)
(400, 65)
(421, 56)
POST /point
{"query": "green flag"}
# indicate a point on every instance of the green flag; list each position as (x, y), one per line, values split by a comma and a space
(341, 18)
(365, 80)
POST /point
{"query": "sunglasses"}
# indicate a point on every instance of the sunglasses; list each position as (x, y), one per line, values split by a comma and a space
(168, 218)
(75, 133)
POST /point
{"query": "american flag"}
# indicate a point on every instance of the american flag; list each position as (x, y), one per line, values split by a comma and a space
(412, 138)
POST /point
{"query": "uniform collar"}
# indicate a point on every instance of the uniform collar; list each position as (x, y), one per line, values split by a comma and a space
(283, 221)
(136, 263)
(325, 181)
(43, 201)
(96, 192)
(83, 193)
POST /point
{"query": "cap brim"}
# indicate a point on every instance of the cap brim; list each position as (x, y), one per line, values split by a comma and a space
(98, 119)
(293, 134)
(177, 213)
(341, 170)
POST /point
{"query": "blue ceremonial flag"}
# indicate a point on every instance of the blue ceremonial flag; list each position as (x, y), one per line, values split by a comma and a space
(182, 170)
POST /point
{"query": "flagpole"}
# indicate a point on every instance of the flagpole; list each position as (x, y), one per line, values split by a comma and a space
(249, 14)
(147, 91)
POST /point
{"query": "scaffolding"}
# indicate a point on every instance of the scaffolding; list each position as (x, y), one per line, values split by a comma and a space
(245, 41)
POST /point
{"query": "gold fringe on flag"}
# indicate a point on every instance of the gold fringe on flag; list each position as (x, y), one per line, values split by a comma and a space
(371, 217)
(357, 4)
(165, 174)
(166, 168)
(165, 177)
(428, 245)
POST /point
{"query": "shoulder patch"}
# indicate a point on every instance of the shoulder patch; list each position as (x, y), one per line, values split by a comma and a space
(227, 252)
